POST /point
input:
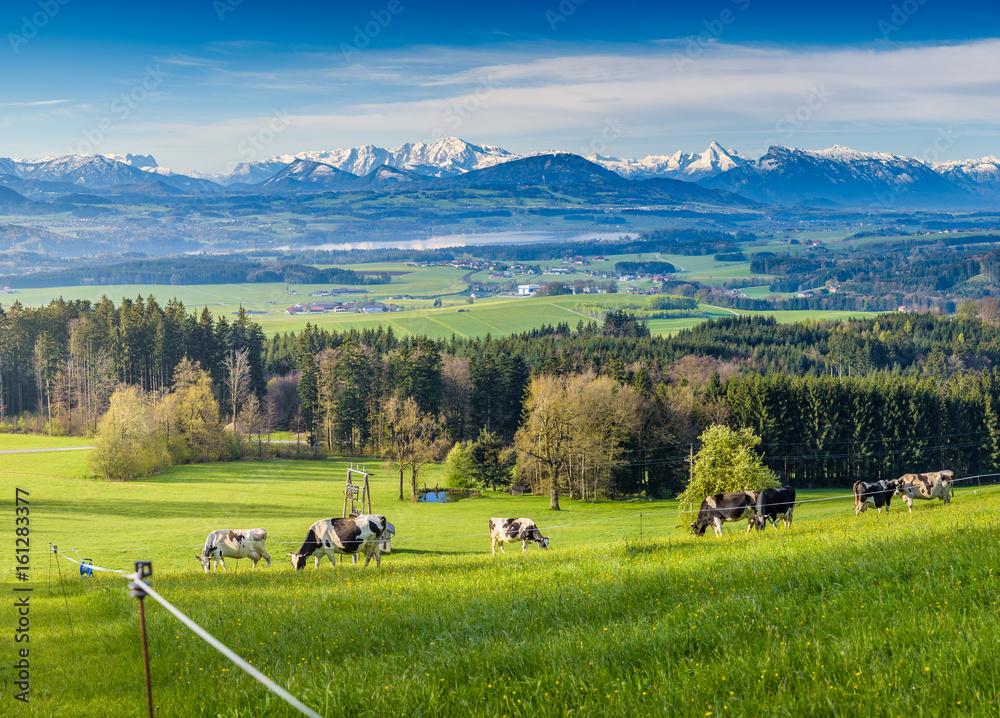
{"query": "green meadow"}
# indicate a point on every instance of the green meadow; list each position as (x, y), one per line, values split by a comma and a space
(883, 615)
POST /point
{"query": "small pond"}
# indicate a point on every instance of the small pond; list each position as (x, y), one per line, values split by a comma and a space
(442, 496)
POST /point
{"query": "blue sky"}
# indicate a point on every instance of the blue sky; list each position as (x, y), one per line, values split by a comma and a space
(203, 84)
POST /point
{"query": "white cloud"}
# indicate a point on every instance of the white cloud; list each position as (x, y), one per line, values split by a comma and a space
(539, 96)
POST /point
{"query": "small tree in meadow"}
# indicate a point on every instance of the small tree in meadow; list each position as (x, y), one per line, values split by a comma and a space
(459, 468)
(727, 462)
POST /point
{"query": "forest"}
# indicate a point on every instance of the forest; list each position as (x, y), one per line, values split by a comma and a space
(218, 269)
(831, 402)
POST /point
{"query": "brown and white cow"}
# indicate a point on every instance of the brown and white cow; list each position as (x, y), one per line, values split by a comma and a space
(733, 506)
(878, 494)
(227, 543)
(524, 530)
(935, 485)
(352, 536)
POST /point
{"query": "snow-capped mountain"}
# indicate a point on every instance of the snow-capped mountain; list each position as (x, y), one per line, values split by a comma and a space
(841, 175)
(980, 177)
(309, 174)
(443, 158)
(87, 171)
(143, 162)
(680, 165)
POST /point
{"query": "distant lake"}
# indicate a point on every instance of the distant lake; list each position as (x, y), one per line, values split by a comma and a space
(464, 240)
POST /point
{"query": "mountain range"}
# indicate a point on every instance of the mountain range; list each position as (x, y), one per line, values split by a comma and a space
(783, 176)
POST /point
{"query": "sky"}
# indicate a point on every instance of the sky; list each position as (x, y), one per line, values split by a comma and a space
(202, 85)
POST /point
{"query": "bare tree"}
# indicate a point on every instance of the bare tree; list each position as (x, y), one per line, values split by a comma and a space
(256, 420)
(236, 368)
(415, 439)
(545, 441)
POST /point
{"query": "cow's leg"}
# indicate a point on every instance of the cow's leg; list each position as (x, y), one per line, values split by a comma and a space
(220, 560)
(524, 546)
(717, 525)
(788, 519)
(502, 549)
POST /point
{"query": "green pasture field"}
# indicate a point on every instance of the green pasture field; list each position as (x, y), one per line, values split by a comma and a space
(882, 615)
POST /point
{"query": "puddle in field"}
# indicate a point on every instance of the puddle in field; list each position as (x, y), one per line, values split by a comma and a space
(442, 496)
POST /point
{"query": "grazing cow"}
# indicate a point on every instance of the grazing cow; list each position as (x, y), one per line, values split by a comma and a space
(878, 494)
(225, 543)
(774, 503)
(524, 530)
(936, 485)
(351, 536)
(726, 507)
(385, 542)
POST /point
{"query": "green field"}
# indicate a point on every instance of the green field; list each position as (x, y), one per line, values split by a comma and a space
(841, 615)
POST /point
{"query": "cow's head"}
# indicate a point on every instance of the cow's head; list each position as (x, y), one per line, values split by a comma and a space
(543, 542)
(206, 558)
(760, 521)
(298, 561)
(698, 529)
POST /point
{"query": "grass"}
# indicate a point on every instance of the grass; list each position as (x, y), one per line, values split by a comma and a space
(842, 615)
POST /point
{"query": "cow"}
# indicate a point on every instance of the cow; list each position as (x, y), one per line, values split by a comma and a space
(506, 530)
(226, 543)
(878, 494)
(936, 485)
(719, 508)
(351, 536)
(774, 503)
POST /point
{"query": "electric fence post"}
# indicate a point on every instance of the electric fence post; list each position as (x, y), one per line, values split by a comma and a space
(143, 570)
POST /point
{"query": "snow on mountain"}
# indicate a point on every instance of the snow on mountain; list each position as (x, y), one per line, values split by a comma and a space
(143, 162)
(981, 176)
(93, 171)
(839, 174)
(446, 157)
(307, 174)
(691, 167)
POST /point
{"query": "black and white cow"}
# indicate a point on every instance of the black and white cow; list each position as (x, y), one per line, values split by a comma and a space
(878, 494)
(936, 485)
(719, 508)
(351, 536)
(775, 503)
(226, 543)
(524, 530)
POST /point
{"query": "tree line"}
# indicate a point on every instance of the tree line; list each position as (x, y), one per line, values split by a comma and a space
(600, 409)
(217, 269)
